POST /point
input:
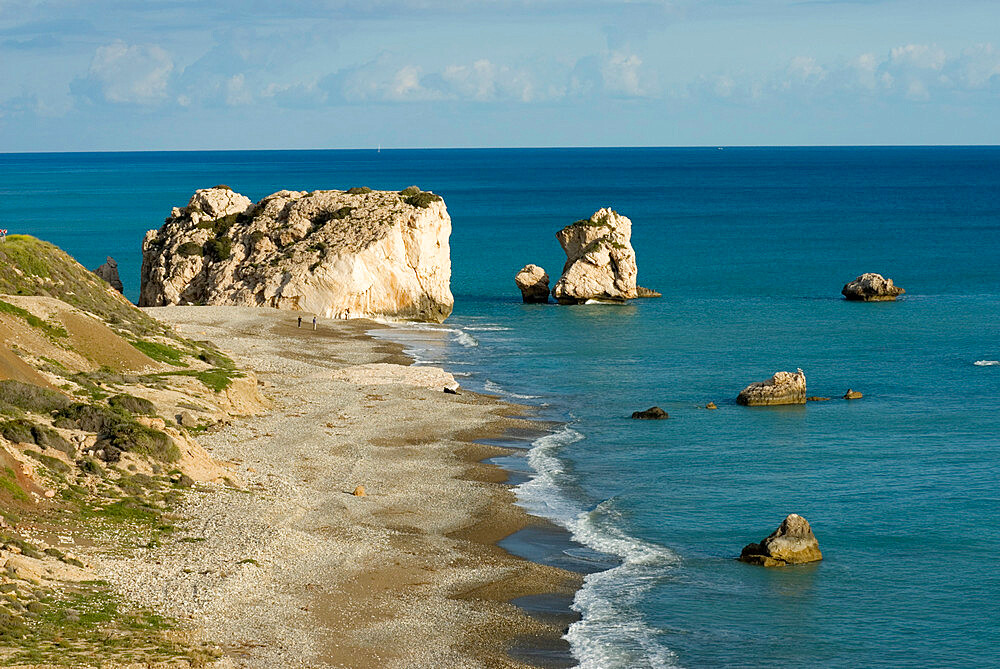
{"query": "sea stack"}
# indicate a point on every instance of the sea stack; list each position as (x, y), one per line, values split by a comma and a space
(782, 388)
(792, 543)
(871, 287)
(339, 254)
(109, 272)
(600, 261)
(533, 281)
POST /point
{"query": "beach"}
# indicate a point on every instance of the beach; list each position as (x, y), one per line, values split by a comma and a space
(288, 567)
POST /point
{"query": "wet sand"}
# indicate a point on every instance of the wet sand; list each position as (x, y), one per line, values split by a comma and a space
(292, 569)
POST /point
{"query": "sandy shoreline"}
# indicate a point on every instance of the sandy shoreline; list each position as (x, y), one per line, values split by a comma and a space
(293, 570)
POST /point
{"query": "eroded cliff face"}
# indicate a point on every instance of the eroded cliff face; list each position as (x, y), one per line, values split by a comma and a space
(339, 254)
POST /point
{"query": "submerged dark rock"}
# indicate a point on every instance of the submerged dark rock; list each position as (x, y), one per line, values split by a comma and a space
(652, 413)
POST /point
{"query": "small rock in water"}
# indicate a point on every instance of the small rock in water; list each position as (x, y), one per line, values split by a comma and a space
(782, 388)
(852, 395)
(652, 413)
(646, 292)
(792, 543)
(817, 399)
(871, 287)
(711, 405)
(533, 281)
(359, 491)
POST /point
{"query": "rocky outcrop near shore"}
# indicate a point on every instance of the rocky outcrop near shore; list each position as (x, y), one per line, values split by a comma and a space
(600, 260)
(871, 287)
(337, 254)
(109, 272)
(792, 543)
(533, 282)
(782, 388)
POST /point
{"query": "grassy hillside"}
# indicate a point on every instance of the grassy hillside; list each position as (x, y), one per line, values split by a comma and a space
(29, 266)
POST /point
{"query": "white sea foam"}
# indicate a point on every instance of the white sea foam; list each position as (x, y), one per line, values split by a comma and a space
(611, 634)
(496, 388)
(465, 339)
(486, 328)
(986, 363)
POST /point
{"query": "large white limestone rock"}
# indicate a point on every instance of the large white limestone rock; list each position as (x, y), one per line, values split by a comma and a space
(600, 260)
(333, 253)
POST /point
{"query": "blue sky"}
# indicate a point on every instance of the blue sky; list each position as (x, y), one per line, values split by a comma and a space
(180, 74)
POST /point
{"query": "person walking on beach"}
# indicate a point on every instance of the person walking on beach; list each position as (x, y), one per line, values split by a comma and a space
(300, 321)
(314, 322)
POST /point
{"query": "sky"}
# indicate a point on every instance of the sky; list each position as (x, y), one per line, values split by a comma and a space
(100, 75)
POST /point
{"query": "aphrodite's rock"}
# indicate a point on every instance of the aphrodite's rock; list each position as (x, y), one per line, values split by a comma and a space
(652, 413)
(782, 388)
(109, 272)
(871, 287)
(852, 394)
(792, 543)
(332, 253)
(600, 261)
(534, 284)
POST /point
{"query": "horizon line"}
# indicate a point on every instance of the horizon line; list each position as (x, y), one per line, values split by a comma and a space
(505, 148)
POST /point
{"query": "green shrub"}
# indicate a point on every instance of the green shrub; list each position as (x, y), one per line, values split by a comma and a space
(359, 190)
(132, 404)
(219, 248)
(136, 438)
(21, 431)
(325, 217)
(190, 249)
(17, 431)
(119, 432)
(30, 397)
(223, 187)
(411, 190)
(161, 352)
(256, 236)
(422, 200)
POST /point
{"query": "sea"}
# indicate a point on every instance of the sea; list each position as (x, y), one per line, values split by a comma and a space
(750, 248)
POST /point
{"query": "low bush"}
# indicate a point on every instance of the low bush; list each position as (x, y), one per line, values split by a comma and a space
(422, 200)
(118, 432)
(359, 190)
(190, 249)
(218, 249)
(31, 398)
(23, 431)
(411, 190)
(132, 404)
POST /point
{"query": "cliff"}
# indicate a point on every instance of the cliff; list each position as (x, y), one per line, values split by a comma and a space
(338, 254)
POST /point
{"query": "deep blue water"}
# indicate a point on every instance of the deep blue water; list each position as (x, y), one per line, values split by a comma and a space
(750, 248)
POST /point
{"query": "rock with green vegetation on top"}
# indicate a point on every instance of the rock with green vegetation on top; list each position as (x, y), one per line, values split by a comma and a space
(600, 261)
(338, 254)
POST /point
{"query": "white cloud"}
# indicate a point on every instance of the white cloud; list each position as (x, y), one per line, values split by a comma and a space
(914, 72)
(128, 74)
(620, 74)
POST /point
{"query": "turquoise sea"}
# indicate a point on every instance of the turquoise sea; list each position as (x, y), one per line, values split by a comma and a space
(750, 248)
